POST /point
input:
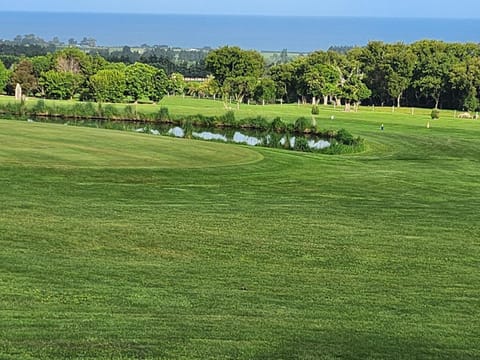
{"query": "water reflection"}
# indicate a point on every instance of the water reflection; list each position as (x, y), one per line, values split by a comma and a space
(244, 136)
(240, 138)
(177, 132)
(207, 135)
(252, 139)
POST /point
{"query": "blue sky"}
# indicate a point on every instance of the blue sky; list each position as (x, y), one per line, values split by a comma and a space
(402, 8)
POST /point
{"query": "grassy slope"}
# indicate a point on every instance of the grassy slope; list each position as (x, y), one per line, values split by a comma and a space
(287, 255)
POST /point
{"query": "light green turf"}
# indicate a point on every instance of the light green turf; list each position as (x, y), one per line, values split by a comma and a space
(39, 145)
(240, 253)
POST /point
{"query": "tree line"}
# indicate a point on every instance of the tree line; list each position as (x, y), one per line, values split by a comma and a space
(427, 73)
(74, 74)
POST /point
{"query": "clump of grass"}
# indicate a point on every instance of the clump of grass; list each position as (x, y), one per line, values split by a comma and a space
(303, 124)
(130, 113)
(163, 114)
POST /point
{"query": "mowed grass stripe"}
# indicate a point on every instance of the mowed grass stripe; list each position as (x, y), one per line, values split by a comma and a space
(38, 144)
(298, 256)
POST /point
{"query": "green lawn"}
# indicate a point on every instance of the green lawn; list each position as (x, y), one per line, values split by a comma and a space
(117, 245)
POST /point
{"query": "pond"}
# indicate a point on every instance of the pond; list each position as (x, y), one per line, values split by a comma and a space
(219, 134)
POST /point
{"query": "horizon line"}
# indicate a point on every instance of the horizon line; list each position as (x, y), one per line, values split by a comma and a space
(426, 17)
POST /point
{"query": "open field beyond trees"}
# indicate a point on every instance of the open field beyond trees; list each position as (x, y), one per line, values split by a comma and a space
(122, 245)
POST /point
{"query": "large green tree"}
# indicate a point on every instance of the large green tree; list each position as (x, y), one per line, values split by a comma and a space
(282, 75)
(400, 63)
(239, 87)
(140, 81)
(61, 85)
(231, 62)
(432, 69)
(373, 63)
(464, 79)
(108, 85)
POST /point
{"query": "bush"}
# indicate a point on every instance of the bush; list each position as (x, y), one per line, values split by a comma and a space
(109, 111)
(163, 114)
(84, 110)
(129, 112)
(187, 128)
(435, 114)
(315, 110)
(259, 123)
(302, 124)
(227, 119)
(301, 144)
(277, 125)
(344, 137)
(40, 108)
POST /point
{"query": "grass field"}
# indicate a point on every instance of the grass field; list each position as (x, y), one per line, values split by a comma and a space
(118, 245)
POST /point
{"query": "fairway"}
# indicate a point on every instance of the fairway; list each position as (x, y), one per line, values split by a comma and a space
(118, 245)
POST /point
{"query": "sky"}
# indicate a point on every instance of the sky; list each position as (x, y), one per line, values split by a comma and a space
(376, 8)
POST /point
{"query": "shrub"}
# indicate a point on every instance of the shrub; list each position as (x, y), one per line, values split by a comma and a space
(187, 128)
(129, 112)
(259, 123)
(302, 124)
(229, 118)
(40, 108)
(277, 125)
(344, 137)
(435, 114)
(110, 112)
(163, 114)
(85, 110)
(301, 144)
(315, 110)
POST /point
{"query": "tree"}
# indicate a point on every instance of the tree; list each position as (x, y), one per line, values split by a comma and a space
(72, 60)
(232, 62)
(4, 76)
(373, 63)
(400, 62)
(41, 64)
(140, 81)
(322, 80)
(353, 88)
(239, 87)
(210, 86)
(160, 83)
(61, 85)
(282, 75)
(432, 69)
(108, 85)
(176, 84)
(464, 79)
(24, 75)
(265, 90)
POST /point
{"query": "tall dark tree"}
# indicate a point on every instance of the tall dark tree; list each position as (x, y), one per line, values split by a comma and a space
(24, 75)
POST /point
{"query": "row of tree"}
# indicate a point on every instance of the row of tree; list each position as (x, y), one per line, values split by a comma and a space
(71, 73)
(426, 73)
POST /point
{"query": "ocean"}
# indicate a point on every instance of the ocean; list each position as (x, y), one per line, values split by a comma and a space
(297, 34)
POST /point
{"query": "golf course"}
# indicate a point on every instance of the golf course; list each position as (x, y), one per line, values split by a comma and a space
(123, 245)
